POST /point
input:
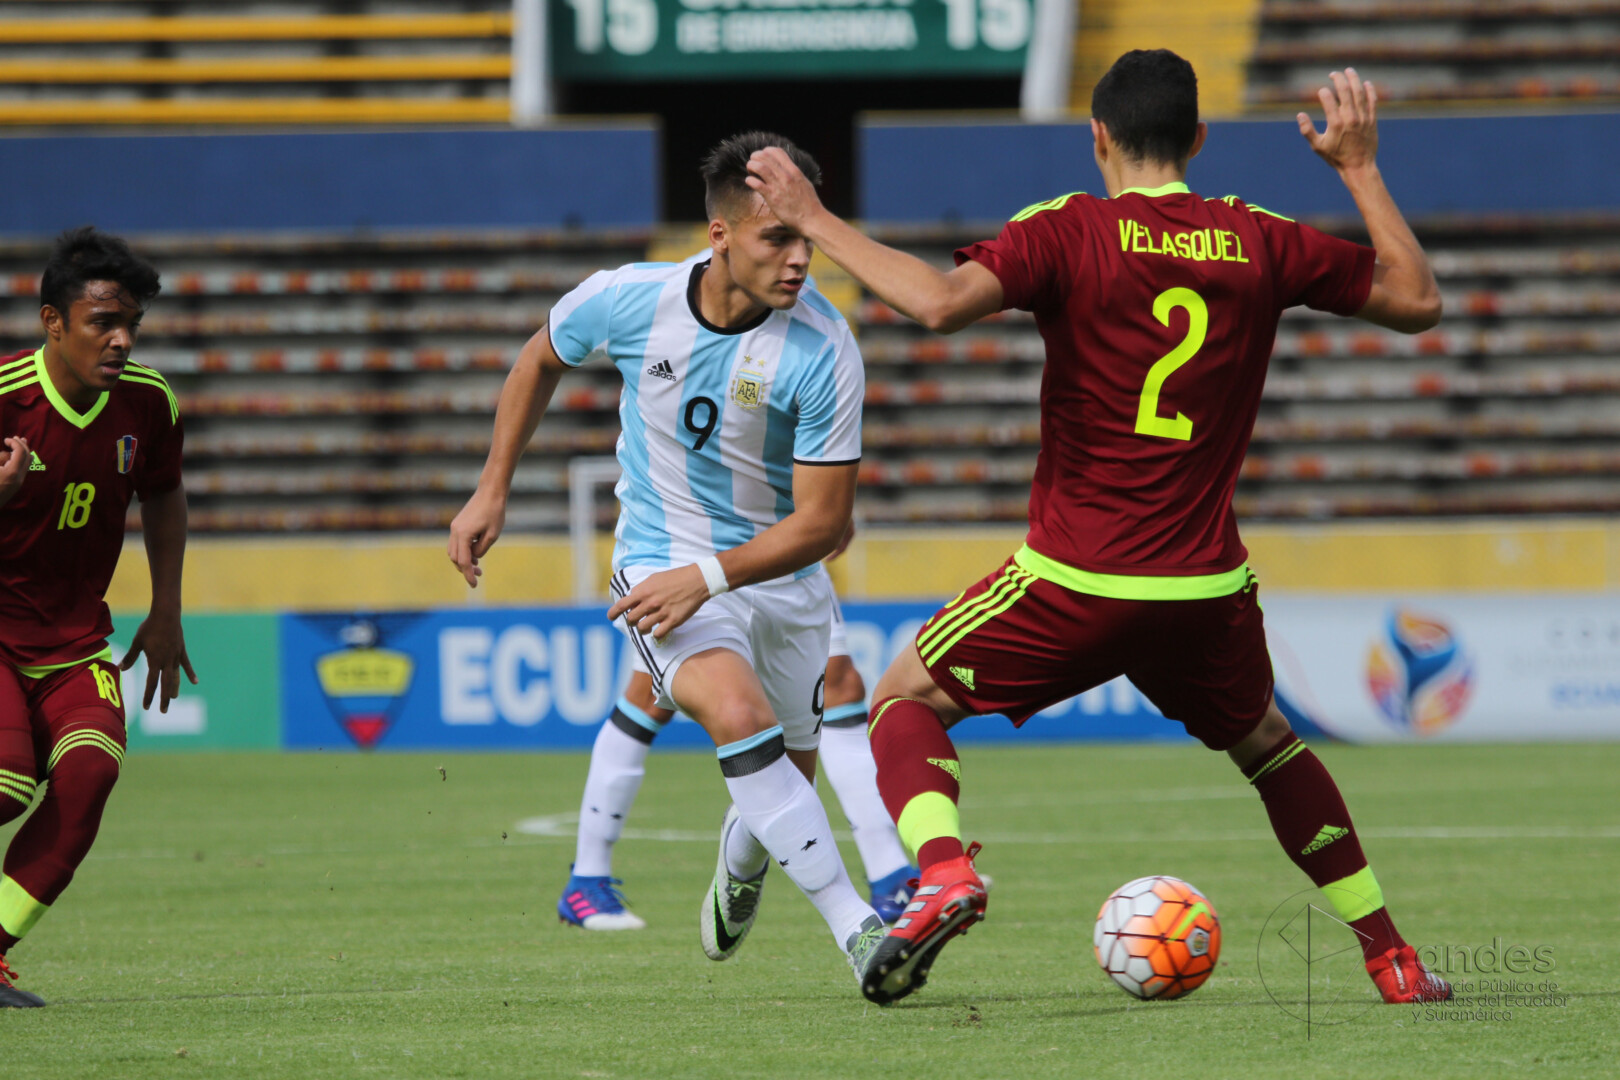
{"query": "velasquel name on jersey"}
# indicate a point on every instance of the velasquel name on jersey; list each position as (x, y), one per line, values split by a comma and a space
(1198, 245)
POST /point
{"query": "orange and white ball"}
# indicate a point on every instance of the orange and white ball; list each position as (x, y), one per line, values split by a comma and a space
(1157, 937)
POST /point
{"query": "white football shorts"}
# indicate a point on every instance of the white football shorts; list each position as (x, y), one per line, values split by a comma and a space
(780, 628)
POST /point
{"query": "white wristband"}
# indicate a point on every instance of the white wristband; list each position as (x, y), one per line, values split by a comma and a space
(713, 575)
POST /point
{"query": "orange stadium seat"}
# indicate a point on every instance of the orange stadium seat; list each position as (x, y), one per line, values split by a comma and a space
(81, 66)
(348, 383)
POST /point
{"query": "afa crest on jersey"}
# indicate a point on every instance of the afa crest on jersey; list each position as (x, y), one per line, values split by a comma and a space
(126, 454)
(748, 387)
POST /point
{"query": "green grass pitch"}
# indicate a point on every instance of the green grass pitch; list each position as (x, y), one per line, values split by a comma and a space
(358, 916)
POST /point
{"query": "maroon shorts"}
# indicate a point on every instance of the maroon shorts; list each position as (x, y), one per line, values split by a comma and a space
(1015, 644)
(63, 708)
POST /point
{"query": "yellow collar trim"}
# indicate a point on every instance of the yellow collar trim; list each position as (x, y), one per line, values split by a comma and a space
(69, 413)
(1177, 188)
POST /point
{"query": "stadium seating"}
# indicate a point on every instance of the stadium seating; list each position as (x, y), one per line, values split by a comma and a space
(1441, 52)
(104, 62)
(335, 384)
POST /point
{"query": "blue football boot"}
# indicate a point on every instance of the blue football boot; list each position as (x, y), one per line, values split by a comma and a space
(891, 894)
(595, 903)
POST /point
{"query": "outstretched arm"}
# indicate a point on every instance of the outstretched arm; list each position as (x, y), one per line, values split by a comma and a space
(943, 301)
(1404, 295)
(163, 522)
(524, 397)
(823, 499)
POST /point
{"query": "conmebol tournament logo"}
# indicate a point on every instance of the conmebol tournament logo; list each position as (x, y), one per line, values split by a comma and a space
(364, 684)
(1418, 672)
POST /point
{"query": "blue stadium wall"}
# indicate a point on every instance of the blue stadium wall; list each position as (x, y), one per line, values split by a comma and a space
(985, 172)
(609, 177)
(588, 178)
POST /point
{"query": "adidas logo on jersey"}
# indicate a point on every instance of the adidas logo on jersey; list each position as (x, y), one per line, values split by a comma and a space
(663, 371)
(36, 465)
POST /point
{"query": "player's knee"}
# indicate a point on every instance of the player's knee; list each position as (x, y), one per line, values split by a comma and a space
(737, 719)
(84, 773)
(1272, 729)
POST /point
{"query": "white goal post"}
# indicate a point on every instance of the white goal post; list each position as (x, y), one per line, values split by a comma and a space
(584, 474)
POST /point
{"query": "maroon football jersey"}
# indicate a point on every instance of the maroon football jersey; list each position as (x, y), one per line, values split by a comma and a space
(61, 534)
(1158, 310)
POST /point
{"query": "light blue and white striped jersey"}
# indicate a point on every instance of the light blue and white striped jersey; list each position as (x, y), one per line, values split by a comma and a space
(712, 420)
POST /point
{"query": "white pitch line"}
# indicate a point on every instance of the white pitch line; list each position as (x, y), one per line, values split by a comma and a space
(563, 825)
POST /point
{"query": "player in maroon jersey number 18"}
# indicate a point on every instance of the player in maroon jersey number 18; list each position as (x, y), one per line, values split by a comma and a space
(1158, 310)
(85, 429)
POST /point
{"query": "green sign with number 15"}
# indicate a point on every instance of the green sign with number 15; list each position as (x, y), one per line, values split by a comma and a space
(616, 40)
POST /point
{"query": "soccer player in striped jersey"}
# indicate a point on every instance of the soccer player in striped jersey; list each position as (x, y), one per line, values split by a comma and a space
(1158, 310)
(591, 899)
(85, 430)
(740, 444)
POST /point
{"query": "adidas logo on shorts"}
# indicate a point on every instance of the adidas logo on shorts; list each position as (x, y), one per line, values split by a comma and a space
(964, 675)
(663, 371)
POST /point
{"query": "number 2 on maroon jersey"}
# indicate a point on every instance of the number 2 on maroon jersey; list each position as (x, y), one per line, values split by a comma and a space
(1148, 420)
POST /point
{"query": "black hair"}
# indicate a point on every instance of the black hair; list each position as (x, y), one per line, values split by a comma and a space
(1149, 102)
(725, 168)
(87, 254)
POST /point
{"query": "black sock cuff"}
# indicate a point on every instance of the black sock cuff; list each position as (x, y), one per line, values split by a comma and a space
(747, 760)
(623, 722)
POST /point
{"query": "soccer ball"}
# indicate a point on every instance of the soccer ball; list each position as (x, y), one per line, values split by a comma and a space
(1157, 937)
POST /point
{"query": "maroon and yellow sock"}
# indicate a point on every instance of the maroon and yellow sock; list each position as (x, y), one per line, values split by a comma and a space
(919, 778)
(1314, 827)
(54, 841)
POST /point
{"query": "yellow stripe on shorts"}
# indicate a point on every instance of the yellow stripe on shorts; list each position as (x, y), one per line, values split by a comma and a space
(948, 619)
(1017, 583)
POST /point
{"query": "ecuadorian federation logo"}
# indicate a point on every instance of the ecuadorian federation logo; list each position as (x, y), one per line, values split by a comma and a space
(126, 454)
(365, 684)
(1419, 674)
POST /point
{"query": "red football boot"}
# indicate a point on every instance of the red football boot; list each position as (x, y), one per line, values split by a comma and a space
(1403, 980)
(10, 996)
(949, 898)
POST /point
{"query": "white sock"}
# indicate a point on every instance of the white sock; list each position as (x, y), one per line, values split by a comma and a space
(618, 762)
(781, 808)
(745, 856)
(846, 758)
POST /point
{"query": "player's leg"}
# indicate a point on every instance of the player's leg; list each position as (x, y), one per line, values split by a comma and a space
(771, 797)
(18, 781)
(618, 763)
(82, 711)
(1316, 831)
(1008, 644)
(1219, 685)
(846, 757)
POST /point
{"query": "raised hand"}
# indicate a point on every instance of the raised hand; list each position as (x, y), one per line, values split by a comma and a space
(791, 197)
(1351, 138)
(14, 462)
